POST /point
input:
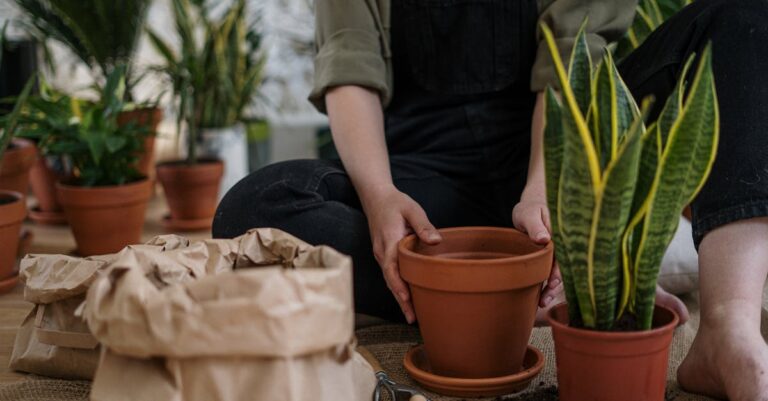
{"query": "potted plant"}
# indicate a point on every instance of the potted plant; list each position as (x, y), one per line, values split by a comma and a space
(105, 198)
(615, 189)
(649, 15)
(13, 208)
(104, 35)
(213, 80)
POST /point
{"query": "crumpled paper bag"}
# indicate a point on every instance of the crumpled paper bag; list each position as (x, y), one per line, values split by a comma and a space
(52, 341)
(264, 316)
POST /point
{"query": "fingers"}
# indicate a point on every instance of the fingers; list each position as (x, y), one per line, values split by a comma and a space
(420, 224)
(386, 254)
(554, 291)
(533, 224)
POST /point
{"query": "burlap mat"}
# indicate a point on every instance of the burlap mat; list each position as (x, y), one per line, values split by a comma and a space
(46, 390)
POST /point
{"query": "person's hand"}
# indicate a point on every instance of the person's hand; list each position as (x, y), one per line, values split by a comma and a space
(392, 215)
(531, 216)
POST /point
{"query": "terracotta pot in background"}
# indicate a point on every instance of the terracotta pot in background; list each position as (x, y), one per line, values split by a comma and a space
(13, 210)
(18, 160)
(475, 295)
(42, 179)
(105, 219)
(151, 118)
(192, 192)
(612, 366)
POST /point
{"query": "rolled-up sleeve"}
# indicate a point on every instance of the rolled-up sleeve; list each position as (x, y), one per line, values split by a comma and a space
(608, 21)
(349, 49)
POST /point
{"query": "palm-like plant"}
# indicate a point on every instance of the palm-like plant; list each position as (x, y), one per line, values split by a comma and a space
(103, 34)
(215, 78)
(616, 188)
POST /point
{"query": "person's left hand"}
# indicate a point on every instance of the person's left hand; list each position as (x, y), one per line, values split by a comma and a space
(531, 216)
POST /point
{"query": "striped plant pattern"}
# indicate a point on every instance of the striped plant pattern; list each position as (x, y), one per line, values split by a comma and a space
(616, 187)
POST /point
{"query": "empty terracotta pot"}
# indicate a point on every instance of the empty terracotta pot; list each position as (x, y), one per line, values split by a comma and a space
(105, 219)
(17, 161)
(191, 190)
(475, 296)
(612, 366)
(149, 117)
(13, 210)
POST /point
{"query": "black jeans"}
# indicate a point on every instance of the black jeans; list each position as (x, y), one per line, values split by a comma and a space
(315, 199)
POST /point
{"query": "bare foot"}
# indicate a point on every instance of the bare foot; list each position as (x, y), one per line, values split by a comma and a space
(670, 301)
(726, 362)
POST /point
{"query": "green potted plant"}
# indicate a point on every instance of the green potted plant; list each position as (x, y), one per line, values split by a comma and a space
(213, 80)
(104, 35)
(105, 197)
(616, 189)
(650, 14)
(13, 208)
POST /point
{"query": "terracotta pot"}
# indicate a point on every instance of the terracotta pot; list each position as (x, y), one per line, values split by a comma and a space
(475, 296)
(18, 160)
(612, 366)
(42, 179)
(105, 219)
(13, 210)
(192, 190)
(149, 117)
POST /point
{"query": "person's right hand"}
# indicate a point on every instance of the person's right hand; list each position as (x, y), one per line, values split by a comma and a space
(392, 215)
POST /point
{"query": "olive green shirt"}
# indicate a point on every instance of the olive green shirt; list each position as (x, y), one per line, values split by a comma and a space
(353, 46)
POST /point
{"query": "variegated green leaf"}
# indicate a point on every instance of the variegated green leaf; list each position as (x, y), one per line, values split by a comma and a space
(553, 163)
(685, 163)
(580, 71)
(609, 221)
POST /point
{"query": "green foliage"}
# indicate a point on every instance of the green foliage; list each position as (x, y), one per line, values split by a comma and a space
(10, 121)
(215, 78)
(102, 33)
(650, 15)
(86, 134)
(616, 188)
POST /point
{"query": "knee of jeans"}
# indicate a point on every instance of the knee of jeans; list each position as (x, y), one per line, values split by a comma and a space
(742, 13)
(254, 201)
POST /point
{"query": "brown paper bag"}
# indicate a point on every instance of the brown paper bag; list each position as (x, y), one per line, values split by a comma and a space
(52, 340)
(261, 317)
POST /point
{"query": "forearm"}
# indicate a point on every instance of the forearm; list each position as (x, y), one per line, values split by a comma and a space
(535, 186)
(357, 123)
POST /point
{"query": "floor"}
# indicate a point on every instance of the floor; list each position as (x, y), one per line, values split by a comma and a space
(13, 308)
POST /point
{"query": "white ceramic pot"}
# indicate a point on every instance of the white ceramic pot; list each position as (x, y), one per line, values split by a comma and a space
(229, 145)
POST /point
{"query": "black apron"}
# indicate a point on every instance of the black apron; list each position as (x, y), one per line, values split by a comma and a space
(462, 104)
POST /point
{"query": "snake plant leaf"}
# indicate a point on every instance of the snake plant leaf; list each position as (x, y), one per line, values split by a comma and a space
(684, 166)
(578, 186)
(580, 71)
(553, 163)
(609, 222)
(671, 110)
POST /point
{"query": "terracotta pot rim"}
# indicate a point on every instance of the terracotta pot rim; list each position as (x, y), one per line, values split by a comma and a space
(613, 336)
(12, 212)
(81, 188)
(405, 249)
(181, 163)
(17, 195)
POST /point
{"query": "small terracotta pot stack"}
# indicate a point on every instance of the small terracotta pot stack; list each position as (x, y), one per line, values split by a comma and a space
(476, 296)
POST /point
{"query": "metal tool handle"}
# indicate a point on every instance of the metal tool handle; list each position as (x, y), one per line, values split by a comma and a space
(370, 358)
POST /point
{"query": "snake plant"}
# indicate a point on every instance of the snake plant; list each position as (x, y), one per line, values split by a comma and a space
(616, 187)
(649, 15)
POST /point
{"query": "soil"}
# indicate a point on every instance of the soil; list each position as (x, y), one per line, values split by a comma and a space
(626, 323)
(4, 200)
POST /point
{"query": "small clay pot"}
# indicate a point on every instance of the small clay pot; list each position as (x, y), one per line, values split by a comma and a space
(475, 295)
(105, 219)
(191, 190)
(149, 117)
(611, 365)
(42, 179)
(13, 210)
(17, 161)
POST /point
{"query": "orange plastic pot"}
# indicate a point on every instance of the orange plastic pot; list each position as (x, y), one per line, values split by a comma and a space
(149, 117)
(192, 191)
(17, 161)
(475, 296)
(105, 219)
(612, 366)
(13, 210)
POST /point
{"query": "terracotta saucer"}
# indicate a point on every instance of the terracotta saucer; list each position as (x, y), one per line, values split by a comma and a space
(417, 366)
(47, 218)
(186, 225)
(8, 284)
